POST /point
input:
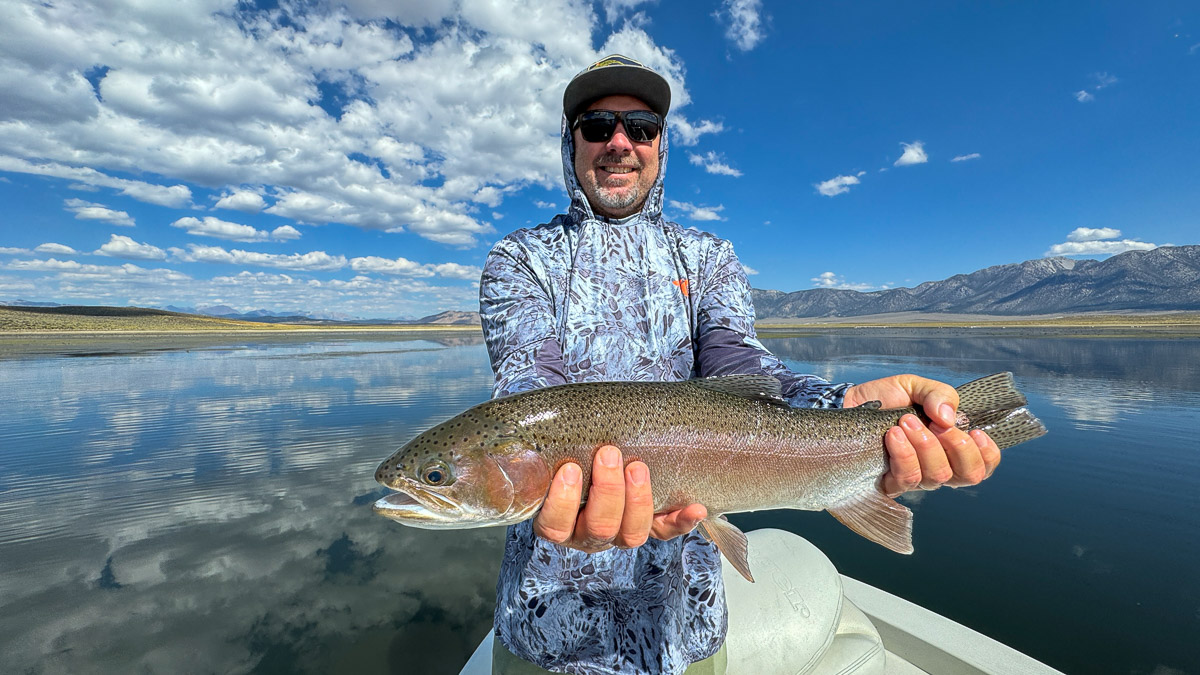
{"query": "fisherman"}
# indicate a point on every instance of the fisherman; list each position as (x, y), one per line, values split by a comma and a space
(611, 290)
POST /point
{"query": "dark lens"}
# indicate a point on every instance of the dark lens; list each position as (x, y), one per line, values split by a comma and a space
(641, 126)
(597, 126)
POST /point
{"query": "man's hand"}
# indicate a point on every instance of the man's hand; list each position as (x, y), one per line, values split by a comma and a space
(933, 456)
(619, 511)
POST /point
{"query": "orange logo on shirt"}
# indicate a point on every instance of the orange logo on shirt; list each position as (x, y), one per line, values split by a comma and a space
(683, 286)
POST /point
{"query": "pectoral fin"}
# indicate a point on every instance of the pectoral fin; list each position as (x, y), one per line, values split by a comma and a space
(879, 518)
(730, 541)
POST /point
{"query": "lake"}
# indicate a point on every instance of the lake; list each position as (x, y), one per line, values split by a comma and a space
(208, 510)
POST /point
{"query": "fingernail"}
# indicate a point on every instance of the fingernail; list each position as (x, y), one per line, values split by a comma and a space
(571, 475)
(610, 458)
(910, 422)
(638, 474)
(946, 412)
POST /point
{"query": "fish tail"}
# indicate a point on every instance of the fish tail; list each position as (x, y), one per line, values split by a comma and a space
(994, 405)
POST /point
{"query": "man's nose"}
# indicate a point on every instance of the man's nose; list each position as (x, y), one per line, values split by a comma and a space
(620, 140)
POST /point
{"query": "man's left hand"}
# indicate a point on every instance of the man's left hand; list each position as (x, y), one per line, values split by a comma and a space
(921, 456)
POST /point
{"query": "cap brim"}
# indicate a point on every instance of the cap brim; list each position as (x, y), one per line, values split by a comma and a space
(641, 83)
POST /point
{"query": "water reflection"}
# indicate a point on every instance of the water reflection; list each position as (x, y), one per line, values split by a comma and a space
(211, 507)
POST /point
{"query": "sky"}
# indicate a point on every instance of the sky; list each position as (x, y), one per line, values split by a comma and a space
(359, 159)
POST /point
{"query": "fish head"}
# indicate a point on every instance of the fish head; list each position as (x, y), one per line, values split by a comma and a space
(469, 471)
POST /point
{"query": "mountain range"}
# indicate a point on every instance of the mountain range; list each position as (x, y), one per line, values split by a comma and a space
(1163, 279)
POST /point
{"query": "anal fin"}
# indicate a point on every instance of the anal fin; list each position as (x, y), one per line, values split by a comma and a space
(879, 518)
(730, 541)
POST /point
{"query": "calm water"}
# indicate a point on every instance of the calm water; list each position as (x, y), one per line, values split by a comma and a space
(209, 510)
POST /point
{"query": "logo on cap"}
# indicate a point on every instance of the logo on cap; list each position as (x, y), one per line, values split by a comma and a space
(615, 60)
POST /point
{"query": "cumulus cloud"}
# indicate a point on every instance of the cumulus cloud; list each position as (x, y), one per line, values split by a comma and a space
(285, 233)
(1093, 233)
(963, 158)
(685, 133)
(743, 22)
(125, 247)
(223, 229)
(1097, 241)
(245, 201)
(400, 117)
(89, 211)
(914, 153)
(713, 163)
(750, 271)
(1084, 97)
(832, 280)
(408, 268)
(545, 205)
(55, 249)
(695, 212)
(172, 196)
(311, 261)
(10, 250)
(838, 184)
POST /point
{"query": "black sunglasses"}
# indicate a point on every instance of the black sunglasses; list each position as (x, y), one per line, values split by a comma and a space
(597, 126)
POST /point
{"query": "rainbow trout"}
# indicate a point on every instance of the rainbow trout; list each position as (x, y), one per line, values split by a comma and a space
(730, 443)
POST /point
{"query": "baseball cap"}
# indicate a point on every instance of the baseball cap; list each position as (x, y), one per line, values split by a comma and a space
(616, 74)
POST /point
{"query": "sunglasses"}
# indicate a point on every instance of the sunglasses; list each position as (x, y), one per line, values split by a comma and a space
(597, 126)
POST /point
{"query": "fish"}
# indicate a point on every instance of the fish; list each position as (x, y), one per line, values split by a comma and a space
(731, 443)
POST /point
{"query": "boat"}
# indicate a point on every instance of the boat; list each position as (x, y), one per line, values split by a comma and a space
(802, 617)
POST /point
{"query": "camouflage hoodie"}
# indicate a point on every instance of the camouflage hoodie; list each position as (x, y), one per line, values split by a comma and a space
(585, 298)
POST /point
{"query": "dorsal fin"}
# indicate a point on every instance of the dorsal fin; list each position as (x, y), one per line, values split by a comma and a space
(756, 387)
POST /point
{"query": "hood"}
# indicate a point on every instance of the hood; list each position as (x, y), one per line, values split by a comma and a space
(580, 210)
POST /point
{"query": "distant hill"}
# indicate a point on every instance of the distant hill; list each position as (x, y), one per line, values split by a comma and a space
(1163, 279)
(450, 318)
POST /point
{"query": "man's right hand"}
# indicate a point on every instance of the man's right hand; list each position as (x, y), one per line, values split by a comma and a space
(619, 511)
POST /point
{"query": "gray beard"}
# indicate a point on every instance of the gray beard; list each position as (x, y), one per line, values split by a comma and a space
(604, 198)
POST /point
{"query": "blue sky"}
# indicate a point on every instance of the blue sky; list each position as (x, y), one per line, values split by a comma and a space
(361, 158)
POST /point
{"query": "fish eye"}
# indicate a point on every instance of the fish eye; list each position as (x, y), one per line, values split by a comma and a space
(436, 473)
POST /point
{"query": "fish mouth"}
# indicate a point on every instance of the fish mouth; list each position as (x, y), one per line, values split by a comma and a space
(422, 508)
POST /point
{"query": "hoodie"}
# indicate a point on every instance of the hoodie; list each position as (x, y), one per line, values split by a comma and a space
(582, 299)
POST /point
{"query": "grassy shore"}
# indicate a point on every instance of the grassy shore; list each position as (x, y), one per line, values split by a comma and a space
(115, 321)
(139, 320)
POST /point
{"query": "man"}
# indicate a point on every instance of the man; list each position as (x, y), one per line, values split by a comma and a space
(612, 291)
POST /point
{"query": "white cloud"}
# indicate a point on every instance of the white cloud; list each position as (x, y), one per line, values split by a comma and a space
(9, 250)
(1109, 247)
(750, 271)
(245, 201)
(1103, 80)
(174, 196)
(220, 229)
(408, 268)
(388, 116)
(311, 261)
(963, 158)
(831, 280)
(399, 266)
(1093, 233)
(914, 153)
(743, 23)
(55, 249)
(285, 233)
(695, 212)
(1097, 241)
(545, 205)
(713, 163)
(124, 247)
(1083, 96)
(89, 211)
(838, 184)
(615, 10)
(686, 133)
